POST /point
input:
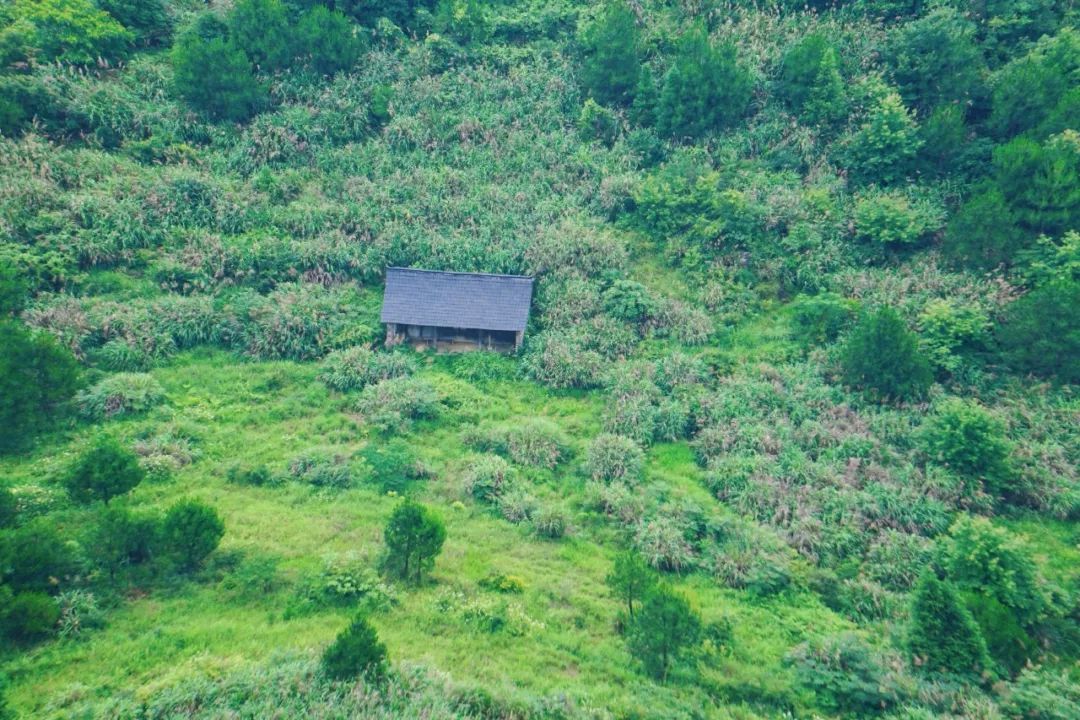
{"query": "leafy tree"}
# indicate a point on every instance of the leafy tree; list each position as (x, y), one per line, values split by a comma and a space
(190, 532)
(819, 319)
(984, 233)
(261, 28)
(105, 471)
(664, 627)
(883, 148)
(356, 652)
(630, 301)
(631, 579)
(1040, 333)
(212, 74)
(34, 558)
(29, 616)
(326, 39)
(393, 464)
(883, 357)
(892, 219)
(149, 19)
(1041, 182)
(964, 437)
(611, 46)
(466, 21)
(705, 89)
(936, 60)
(36, 375)
(810, 81)
(942, 635)
(73, 31)
(1029, 89)
(414, 537)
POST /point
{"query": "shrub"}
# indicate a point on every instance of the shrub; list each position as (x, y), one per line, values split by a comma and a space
(79, 611)
(1040, 333)
(506, 584)
(536, 442)
(942, 635)
(631, 579)
(414, 537)
(597, 122)
(325, 38)
(120, 394)
(190, 532)
(392, 405)
(662, 630)
(358, 367)
(611, 46)
(148, 19)
(356, 652)
(550, 522)
(1041, 182)
(558, 360)
(121, 538)
(705, 89)
(73, 31)
(965, 438)
(883, 357)
(936, 60)
(983, 234)
(1042, 693)
(810, 81)
(105, 471)
(893, 220)
(630, 302)
(950, 330)
(819, 319)
(321, 469)
(29, 616)
(36, 375)
(257, 475)
(663, 544)
(8, 508)
(393, 464)
(613, 458)
(487, 477)
(516, 504)
(34, 558)
(213, 75)
(845, 675)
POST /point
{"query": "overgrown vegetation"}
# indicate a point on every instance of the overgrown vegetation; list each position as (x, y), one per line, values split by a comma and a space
(794, 431)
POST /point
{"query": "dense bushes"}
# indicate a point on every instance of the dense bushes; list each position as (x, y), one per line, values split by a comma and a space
(393, 405)
(612, 48)
(1040, 333)
(71, 31)
(847, 676)
(883, 357)
(613, 458)
(191, 531)
(810, 81)
(355, 652)
(357, 367)
(943, 636)
(105, 471)
(967, 439)
(36, 375)
(213, 74)
(120, 394)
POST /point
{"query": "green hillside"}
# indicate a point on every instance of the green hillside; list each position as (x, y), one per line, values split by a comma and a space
(794, 432)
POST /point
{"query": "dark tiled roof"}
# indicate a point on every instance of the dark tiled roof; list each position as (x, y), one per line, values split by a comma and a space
(456, 300)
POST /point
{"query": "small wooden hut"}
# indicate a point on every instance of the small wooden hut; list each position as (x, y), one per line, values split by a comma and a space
(455, 311)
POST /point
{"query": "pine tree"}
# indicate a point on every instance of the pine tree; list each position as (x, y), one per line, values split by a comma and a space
(612, 49)
(705, 89)
(356, 651)
(665, 626)
(104, 472)
(943, 636)
(414, 536)
(213, 75)
(883, 357)
(811, 83)
(261, 29)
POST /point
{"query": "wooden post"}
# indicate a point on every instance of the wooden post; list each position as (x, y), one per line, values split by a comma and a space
(391, 334)
(519, 336)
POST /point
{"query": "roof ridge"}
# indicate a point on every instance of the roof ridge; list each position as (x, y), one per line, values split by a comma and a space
(458, 272)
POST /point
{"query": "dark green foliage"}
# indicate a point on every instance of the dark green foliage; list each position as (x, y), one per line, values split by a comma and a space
(1041, 182)
(121, 538)
(8, 508)
(414, 537)
(261, 28)
(705, 90)
(846, 675)
(213, 75)
(13, 290)
(149, 19)
(596, 122)
(190, 532)
(662, 630)
(965, 438)
(882, 357)
(631, 579)
(942, 635)
(326, 40)
(1040, 333)
(611, 46)
(1006, 640)
(810, 81)
(819, 319)
(6, 712)
(34, 558)
(630, 301)
(103, 472)
(356, 652)
(467, 21)
(29, 616)
(1043, 693)
(935, 60)
(984, 234)
(36, 375)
